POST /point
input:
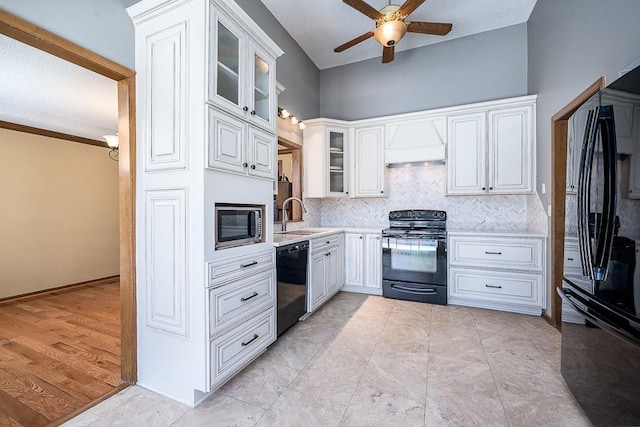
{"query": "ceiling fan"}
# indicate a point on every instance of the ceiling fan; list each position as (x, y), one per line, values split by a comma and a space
(391, 25)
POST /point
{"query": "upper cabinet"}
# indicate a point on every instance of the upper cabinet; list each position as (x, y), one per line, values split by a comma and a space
(369, 162)
(242, 76)
(492, 150)
(326, 159)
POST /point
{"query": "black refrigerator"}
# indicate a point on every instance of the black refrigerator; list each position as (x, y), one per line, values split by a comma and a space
(601, 294)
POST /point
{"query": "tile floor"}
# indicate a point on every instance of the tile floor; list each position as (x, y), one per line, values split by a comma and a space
(370, 361)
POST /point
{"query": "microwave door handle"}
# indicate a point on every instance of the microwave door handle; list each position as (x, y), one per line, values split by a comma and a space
(584, 194)
(606, 229)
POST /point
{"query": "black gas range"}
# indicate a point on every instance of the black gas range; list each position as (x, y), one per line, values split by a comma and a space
(414, 256)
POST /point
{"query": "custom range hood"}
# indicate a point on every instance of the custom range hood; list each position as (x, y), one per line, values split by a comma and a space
(416, 141)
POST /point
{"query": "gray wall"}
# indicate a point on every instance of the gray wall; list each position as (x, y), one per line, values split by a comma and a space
(480, 67)
(571, 44)
(102, 26)
(294, 69)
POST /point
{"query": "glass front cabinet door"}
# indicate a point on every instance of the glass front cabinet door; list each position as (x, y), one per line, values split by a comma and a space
(337, 175)
(241, 76)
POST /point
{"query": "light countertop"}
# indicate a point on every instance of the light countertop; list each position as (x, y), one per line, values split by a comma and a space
(281, 239)
(495, 233)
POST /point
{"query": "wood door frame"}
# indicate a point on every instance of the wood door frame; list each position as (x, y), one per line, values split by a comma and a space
(559, 133)
(296, 169)
(25, 32)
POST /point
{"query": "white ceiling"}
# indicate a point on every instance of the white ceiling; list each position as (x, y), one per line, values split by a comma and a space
(43, 91)
(321, 26)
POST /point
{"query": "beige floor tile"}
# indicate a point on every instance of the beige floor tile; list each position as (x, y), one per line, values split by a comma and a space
(457, 408)
(221, 411)
(400, 374)
(317, 329)
(260, 384)
(141, 411)
(82, 420)
(527, 409)
(375, 406)
(294, 408)
(291, 351)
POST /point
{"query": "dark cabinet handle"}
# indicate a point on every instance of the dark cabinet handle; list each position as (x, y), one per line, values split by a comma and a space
(381, 192)
(494, 286)
(360, 237)
(255, 337)
(484, 188)
(255, 294)
(327, 254)
(253, 112)
(492, 253)
(245, 164)
(346, 192)
(490, 188)
(245, 108)
(253, 166)
(248, 265)
(569, 259)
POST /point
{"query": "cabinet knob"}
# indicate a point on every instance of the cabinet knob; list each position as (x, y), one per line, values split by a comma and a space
(490, 188)
(253, 166)
(360, 237)
(245, 108)
(381, 192)
(245, 164)
(327, 254)
(484, 188)
(346, 192)
(253, 112)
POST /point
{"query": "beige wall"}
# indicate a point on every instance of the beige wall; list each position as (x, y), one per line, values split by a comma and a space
(59, 213)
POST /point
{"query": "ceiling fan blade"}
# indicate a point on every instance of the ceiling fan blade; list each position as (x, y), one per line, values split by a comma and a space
(387, 54)
(409, 6)
(363, 7)
(436, 28)
(353, 42)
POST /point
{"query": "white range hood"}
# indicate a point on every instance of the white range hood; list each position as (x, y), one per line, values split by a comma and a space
(420, 139)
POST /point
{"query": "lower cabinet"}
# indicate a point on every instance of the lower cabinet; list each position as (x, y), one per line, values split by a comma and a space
(241, 312)
(326, 269)
(363, 263)
(498, 271)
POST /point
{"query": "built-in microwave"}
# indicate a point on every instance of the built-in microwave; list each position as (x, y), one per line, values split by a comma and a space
(237, 225)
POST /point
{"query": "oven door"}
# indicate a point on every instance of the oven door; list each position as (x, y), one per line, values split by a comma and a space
(415, 259)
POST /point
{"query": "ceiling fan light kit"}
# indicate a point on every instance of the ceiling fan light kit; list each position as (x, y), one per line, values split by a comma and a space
(390, 32)
(391, 26)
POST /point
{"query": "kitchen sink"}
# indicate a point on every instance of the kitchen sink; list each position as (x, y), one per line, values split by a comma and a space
(300, 232)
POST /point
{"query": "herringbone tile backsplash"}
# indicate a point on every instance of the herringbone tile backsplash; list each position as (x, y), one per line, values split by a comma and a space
(423, 187)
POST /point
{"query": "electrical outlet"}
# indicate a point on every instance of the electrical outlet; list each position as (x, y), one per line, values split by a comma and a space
(549, 210)
(543, 188)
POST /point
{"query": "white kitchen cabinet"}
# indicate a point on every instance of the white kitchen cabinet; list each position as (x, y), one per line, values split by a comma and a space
(235, 146)
(369, 162)
(325, 270)
(497, 271)
(466, 154)
(363, 263)
(242, 75)
(194, 329)
(326, 159)
(492, 151)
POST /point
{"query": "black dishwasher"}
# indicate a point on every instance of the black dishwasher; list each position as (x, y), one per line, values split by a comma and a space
(291, 263)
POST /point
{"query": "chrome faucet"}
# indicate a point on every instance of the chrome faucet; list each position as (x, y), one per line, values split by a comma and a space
(285, 217)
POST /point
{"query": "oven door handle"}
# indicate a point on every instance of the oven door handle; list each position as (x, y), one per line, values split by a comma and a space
(427, 291)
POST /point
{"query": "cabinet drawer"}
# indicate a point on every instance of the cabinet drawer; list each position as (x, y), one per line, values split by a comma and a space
(234, 349)
(515, 254)
(322, 243)
(241, 299)
(229, 268)
(518, 288)
(572, 258)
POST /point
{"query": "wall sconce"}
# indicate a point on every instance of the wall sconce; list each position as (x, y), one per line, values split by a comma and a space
(284, 114)
(113, 142)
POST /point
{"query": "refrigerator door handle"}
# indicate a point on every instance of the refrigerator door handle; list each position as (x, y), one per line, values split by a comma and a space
(594, 316)
(584, 193)
(606, 229)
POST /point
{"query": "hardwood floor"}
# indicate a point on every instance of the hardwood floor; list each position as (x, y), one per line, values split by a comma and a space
(59, 352)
